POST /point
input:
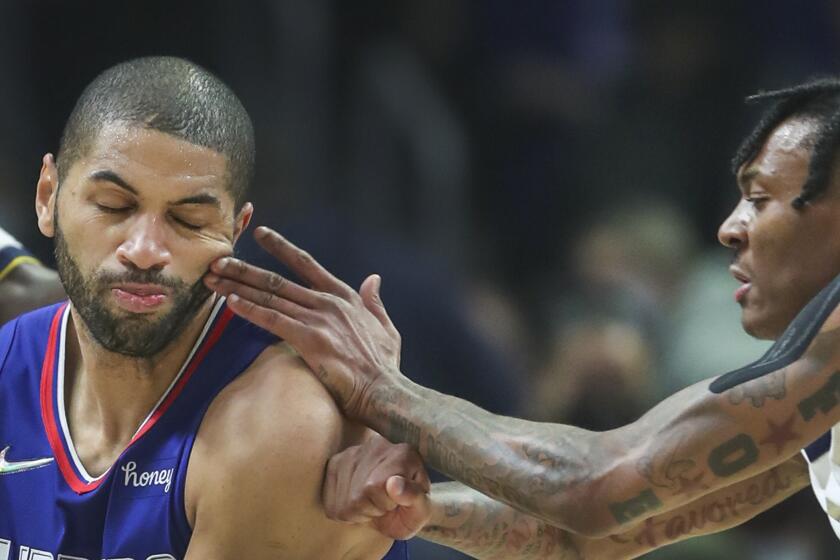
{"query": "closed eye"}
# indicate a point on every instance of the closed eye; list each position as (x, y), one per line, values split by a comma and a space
(113, 209)
(757, 201)
(186, 224)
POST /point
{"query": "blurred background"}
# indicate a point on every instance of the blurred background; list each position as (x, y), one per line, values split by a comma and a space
(539, 182)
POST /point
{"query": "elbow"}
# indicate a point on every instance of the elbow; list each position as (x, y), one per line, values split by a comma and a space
(592, 505)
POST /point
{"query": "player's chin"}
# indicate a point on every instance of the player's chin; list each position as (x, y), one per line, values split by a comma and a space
(762, 323)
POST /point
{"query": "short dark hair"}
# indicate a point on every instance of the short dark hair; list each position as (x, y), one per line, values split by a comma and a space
(817, 99)
(170, 95)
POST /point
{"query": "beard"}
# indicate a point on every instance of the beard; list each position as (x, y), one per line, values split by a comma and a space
(135, 335)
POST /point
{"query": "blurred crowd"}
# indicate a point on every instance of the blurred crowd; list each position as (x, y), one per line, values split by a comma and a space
(539, 183)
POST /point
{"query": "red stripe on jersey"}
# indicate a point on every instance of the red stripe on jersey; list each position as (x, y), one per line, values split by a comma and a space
(48, 399)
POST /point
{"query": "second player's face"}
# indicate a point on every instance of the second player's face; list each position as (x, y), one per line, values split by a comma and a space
(783, 256)
(137, 221)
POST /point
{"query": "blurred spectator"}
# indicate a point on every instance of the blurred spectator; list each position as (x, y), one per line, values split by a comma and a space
(598, 376)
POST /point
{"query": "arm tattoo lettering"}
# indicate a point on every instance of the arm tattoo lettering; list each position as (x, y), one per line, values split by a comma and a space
(547, 470)
(824, 400)
(720, 510)
(733, 456)
(633, 508)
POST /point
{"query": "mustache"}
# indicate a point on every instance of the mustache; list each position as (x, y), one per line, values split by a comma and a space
(139, 277)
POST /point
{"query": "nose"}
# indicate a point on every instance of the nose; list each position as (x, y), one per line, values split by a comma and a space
(145, 245)
(733, 231)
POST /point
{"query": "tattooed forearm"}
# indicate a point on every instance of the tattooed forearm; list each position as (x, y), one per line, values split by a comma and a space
(717, 511)
(690, 445)
(733, 455)
(486, 529)
(642, 504)
(521, 463)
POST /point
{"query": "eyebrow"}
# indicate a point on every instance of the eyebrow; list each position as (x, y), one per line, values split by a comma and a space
(203, 198)
(106, 175)
(746, 177)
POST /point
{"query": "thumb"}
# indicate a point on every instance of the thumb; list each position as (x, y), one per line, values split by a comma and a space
(372, 300)
(403, 492)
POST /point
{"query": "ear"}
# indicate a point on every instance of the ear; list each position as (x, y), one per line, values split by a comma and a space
(242, 220)
(45, 196)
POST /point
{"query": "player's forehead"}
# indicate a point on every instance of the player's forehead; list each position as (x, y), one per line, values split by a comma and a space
(153, 162)
(785, 154)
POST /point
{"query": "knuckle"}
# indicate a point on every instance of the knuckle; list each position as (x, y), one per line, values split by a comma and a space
(275, 282)
(371, 488)
(266, 299)
(332, 302)
(239, 266)
(304, 258)
(273, 320)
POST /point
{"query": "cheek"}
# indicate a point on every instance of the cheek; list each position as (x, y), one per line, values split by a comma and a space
(197, 254)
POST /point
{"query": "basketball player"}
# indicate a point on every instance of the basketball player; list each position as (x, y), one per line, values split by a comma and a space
(705, 459)
(24, 283)
(143, 420)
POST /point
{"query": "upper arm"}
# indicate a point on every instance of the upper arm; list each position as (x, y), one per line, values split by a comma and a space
(257, 468)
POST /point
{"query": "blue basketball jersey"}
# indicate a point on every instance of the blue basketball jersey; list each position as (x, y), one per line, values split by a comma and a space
(50, 507)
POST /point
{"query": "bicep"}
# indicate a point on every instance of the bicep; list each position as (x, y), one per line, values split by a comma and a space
(257, 471)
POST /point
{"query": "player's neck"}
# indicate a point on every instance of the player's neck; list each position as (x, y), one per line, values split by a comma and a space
(116, 392)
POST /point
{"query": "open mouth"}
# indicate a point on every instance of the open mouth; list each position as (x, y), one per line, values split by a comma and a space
(746, 284)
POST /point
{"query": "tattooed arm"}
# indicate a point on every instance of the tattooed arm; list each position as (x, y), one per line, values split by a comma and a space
(595, 484)
(689, 445)
(486, 529)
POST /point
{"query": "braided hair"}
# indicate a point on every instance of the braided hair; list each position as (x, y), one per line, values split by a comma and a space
(818, 99)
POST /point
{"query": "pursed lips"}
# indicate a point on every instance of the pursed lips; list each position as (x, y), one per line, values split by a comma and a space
(140, 297)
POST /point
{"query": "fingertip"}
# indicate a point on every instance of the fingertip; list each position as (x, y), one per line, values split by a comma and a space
(233, 299)
(395, 486)
(261, 232)
(219, 264)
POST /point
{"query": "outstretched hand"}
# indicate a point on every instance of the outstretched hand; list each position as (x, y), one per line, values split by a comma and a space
(345, 337)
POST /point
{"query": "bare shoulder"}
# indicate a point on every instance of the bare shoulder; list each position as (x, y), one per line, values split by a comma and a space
(274, 411)
(273, 401)
(258, 462)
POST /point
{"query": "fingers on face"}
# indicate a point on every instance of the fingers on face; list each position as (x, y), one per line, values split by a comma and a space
(261, 298)
(271, 320)
(301, 262)
(244, 274)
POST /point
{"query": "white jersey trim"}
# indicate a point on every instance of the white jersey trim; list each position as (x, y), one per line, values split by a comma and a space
(60, 388)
